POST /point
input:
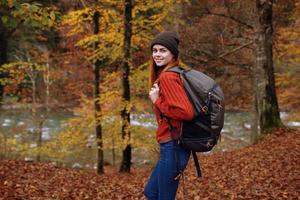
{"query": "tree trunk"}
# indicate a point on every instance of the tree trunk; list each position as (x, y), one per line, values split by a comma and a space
(35, 119)
(254, 132)
(3, 142)
(47, 83)
(125, 113)
(97, 64)
(113, 152)
(3, 55)
(266, 100)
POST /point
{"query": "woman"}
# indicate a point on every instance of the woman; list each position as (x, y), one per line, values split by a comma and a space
(171, 107)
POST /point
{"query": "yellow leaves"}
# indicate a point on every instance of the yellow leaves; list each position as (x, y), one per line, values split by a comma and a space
(139, 81)
(18, 72)
(288, 87)
(10, 3)
(109, 46)
(71, 138)
(76, 20)
(105, 45)
(288, 42)
(295, 115)
(33, 14)
(10, 145)
(148, 15)
(88, 41)
(286, 79)
(68, 142)
(80, 128)
(288, 55)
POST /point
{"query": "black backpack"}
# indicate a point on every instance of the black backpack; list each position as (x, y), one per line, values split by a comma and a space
(202, 133)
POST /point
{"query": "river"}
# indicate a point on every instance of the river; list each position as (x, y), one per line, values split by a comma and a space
(235, 134)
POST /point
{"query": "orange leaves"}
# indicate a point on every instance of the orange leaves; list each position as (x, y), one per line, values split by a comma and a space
(288, 48)
(269, 170)
(264, 171)
(46, 181)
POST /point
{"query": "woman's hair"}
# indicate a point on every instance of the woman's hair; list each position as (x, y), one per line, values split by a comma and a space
(155, 70)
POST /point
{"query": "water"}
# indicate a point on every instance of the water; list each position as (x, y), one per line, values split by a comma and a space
(13, 123)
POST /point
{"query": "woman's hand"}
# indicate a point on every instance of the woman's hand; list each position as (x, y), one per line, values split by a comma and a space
(154, 92)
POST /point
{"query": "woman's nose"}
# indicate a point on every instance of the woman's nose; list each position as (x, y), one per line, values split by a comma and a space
(156, 53)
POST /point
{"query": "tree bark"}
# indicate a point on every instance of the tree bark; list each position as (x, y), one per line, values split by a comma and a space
(97, 65)
(265, 93)
(125, 113)
(3, 55)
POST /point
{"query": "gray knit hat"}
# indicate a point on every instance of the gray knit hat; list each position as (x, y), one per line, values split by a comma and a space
(168, 39)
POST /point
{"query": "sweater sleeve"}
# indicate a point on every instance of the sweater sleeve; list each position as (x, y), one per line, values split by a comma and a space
(173, 101)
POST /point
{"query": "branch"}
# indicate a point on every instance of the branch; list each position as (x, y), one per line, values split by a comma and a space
(212, 59)
(83, 3)
(229, 17)
(243, 65)
(234, 50)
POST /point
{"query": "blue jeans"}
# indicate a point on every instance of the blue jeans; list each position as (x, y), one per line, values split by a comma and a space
(162, 185)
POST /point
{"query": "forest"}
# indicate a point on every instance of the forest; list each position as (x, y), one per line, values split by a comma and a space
(76, 121)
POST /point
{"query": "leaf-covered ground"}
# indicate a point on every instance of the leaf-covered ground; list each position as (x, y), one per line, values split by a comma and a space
(269, 170)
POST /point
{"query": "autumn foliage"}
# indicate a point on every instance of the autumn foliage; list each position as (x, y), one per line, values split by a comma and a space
(48, 50)
(269, 170)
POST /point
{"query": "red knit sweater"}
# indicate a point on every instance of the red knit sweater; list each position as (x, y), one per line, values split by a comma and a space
(174, 104)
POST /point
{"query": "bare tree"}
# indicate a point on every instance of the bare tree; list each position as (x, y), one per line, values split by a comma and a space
(97, 65)
(3, 53)
(125, 113)
(265, 94)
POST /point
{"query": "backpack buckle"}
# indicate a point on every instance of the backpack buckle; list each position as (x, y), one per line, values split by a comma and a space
(219, 105)
(209, 144)
(204, 109)
(177, 177)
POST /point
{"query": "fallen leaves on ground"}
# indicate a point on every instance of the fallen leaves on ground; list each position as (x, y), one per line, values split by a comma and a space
(268, 170)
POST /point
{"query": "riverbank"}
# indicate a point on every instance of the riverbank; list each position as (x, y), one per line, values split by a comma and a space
(268, 170)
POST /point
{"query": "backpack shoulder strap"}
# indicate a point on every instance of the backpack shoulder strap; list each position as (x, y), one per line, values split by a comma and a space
(197, 165)
(176, 69)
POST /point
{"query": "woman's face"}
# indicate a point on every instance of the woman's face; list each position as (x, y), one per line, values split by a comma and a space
(161, 55)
